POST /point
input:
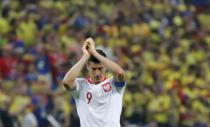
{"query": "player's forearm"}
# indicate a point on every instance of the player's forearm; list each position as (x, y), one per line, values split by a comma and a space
(109, 64)
(74, 72)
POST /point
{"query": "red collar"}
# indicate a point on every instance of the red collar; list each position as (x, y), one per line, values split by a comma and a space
(91, 81)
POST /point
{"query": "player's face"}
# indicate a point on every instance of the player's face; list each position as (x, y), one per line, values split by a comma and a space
(96, 72)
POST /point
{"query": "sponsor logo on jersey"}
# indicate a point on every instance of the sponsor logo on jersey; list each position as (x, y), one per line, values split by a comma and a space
(107, 87)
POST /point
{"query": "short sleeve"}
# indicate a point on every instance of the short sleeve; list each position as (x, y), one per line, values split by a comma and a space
(75, 93)
(120, 86)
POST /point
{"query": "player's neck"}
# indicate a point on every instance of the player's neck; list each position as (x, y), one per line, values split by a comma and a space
(95, 82)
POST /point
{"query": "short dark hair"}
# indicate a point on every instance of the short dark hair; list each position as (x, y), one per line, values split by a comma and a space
(95, 60)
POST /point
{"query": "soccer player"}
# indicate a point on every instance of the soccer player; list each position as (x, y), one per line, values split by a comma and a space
(98, 99)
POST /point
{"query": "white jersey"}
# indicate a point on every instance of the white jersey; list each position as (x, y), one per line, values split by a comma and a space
(98, 105)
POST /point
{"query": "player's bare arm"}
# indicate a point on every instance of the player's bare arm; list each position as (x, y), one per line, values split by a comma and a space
(119, 73)
(73, 73)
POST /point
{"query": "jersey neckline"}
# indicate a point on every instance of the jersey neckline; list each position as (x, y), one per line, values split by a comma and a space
(91, 82)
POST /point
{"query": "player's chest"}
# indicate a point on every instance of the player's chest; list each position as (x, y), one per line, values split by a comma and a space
(100, 93)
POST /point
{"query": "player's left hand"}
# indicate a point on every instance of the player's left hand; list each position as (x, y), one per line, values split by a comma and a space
(85, 50)
(91, 45)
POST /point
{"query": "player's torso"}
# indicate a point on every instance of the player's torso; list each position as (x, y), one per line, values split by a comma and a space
(97, 95)
(99, 105)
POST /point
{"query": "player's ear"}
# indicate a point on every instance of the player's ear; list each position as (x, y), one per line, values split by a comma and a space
(104, 68)
(88, 66)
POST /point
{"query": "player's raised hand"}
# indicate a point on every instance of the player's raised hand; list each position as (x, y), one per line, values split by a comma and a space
(91, 45)
(85, 49)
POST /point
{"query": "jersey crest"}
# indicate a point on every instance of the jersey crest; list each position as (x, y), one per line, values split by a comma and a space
(107, 87)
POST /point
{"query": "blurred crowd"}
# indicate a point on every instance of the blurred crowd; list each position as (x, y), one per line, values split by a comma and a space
(164, 46)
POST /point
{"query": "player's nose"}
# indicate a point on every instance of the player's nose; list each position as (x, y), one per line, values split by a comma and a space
(97, 76)
(97, 73)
